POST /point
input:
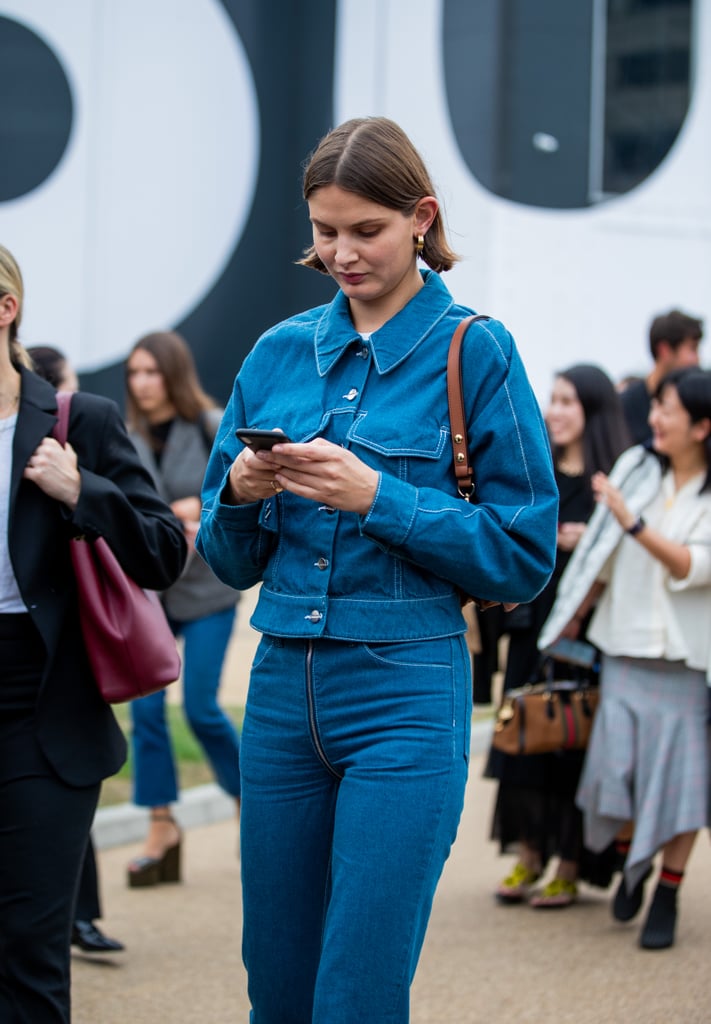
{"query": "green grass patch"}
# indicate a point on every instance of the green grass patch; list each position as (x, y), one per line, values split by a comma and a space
(193, 769)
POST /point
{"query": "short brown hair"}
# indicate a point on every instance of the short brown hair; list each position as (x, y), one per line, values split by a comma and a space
(674, 327)
(374, 158)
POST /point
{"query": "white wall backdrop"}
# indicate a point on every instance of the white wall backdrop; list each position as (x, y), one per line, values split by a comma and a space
(572, 286)
(138, 219)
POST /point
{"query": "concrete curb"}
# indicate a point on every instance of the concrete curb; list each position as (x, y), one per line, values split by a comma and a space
(126, 823)
(201, 805)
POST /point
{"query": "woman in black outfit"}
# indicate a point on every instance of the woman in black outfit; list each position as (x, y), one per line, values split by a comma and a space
(51, 364)
(58, 738)
(535, 807)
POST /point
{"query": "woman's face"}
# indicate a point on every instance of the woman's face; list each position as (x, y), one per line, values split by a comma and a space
(369, 249)
(673, 433)
(147, 387)
(565, 417)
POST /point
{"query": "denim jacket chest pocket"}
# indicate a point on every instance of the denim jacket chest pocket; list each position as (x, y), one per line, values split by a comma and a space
(417, 451)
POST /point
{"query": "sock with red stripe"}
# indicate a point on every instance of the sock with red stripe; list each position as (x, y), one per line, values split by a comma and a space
(658, 931)
(670, 878)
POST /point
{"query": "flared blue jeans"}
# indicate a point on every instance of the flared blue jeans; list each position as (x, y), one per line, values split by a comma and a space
(155, 781)
(354, 761)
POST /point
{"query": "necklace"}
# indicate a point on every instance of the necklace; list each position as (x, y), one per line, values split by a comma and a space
(570, 467)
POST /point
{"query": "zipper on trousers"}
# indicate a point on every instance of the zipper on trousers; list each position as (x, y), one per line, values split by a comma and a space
(321, 753)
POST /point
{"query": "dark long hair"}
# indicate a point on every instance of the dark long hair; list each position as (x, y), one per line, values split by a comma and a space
(176, 364)
(605, 435)
(48, 362)
(693, 386)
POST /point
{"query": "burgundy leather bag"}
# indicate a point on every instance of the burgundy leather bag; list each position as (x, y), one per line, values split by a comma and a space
(130, 646)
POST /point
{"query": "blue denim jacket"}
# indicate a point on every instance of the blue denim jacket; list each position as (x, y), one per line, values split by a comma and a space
(393, 573)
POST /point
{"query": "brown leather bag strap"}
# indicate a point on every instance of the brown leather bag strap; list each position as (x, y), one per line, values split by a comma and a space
(457, 410)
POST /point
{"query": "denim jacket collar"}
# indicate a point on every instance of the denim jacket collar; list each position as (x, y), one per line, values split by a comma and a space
(396, 339)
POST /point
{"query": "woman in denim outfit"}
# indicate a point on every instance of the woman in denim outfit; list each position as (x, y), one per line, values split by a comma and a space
(172, 422)
(356, 734)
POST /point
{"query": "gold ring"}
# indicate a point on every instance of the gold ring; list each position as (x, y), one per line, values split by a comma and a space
(275, 487)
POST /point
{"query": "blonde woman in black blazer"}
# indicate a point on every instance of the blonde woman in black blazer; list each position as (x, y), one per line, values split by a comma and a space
(58, 739)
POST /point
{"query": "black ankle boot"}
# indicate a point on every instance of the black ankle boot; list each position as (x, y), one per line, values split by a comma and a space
(626, 905)
(658, 931)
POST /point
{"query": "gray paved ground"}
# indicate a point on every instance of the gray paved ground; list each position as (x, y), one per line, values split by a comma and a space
(482, 963)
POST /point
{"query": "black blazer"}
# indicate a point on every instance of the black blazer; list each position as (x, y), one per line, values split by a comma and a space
(76, 730)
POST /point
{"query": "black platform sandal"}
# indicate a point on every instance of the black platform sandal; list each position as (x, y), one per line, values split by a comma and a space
(145, 871)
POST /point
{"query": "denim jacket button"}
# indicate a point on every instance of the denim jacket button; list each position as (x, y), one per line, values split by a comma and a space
(314, 616)
(322, 563)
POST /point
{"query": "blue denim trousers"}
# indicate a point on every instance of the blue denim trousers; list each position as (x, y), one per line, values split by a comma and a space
(154, 773)
(354, 762)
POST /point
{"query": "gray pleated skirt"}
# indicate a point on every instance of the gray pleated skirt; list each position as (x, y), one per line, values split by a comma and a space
(648, 759)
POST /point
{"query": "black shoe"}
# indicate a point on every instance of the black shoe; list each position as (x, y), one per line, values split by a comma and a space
(626, 905)
(658, 931)
(88, 937)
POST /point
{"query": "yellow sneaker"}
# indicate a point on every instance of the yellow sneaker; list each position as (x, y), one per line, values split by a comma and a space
(514, 888)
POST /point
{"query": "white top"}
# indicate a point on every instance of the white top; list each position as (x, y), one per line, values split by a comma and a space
(646, 613)
(10, 600)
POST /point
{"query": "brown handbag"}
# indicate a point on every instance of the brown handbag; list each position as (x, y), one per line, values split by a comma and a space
(545, 717)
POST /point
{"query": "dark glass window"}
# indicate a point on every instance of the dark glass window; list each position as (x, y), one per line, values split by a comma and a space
(647, 87)
(564, 104)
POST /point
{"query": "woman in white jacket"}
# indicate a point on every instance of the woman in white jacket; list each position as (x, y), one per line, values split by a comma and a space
(647, 564)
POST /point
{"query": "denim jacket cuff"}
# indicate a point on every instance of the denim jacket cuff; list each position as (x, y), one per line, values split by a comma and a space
(390, 517)
(237, 516)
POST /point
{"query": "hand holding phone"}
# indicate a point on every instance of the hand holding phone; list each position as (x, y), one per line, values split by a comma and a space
(261, 440)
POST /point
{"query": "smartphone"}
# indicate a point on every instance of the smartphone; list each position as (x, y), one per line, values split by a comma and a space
(577, 652)
(260, 440)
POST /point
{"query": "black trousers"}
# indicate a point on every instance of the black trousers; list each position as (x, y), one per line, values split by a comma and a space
(44, 830)
(88, 906)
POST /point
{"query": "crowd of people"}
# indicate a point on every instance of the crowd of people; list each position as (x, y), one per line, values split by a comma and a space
(535, 807)
(632, 578)
(595, 524)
